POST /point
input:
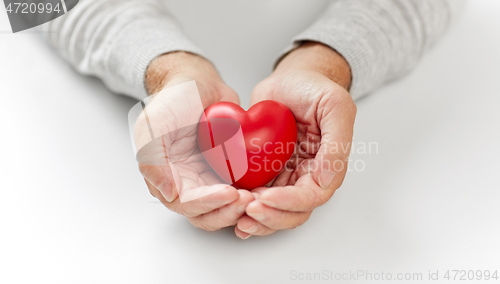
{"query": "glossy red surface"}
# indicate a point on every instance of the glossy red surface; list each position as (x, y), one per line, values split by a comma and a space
(269, 137)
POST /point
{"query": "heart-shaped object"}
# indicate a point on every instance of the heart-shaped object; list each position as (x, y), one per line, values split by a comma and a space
(247, 149)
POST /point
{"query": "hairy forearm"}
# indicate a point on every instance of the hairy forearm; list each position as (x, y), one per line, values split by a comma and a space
(179, 63)
(178, 67)
(315, 56)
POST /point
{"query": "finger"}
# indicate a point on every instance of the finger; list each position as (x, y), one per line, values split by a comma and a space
(336, 113)
(156, 193)
(240, 234)
(225, 216)
(274, 218)
(229, 95)
(163, 178)
(207, 203)
(285, 177)
(201, 205)
(259, 92)
(252, 227)
(304, 196)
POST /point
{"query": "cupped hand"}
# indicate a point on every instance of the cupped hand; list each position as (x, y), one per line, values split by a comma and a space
(312, 81)
(171, 164)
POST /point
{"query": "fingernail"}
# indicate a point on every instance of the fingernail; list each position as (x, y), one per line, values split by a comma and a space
(258, 216)
(251, 230)
(246, 237)
(168, 194)
(241, 209)
(326, 178)
(268, 203)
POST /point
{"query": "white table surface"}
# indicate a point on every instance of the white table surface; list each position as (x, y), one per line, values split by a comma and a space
(74, 208)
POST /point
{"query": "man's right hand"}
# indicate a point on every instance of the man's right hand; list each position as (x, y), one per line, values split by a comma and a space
(226, 204)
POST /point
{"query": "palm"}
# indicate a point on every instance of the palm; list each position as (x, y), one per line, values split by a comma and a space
(187, 162)
(173, 158)
(304, 94)
(325, 115)
(166, 134)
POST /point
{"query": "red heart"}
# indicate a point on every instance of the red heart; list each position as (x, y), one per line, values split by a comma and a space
(247, 149)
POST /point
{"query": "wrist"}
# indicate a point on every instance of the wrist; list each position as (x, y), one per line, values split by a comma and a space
(166, 67)
(317, 57)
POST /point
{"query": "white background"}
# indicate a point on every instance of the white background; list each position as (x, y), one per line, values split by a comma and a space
(74, 208)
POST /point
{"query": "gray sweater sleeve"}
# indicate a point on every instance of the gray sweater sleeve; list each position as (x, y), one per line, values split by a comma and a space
(381, 39)
(116, 40)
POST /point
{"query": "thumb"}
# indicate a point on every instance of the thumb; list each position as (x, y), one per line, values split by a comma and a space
(157, 169)
(163, 178)
(336, 122)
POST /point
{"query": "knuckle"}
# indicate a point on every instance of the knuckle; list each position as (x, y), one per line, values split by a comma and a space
(342, 99)
(311, 200)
